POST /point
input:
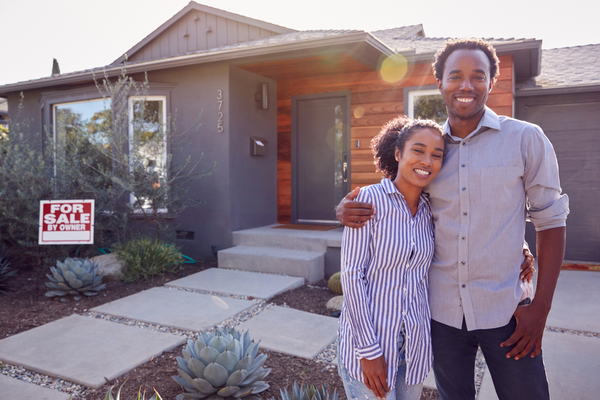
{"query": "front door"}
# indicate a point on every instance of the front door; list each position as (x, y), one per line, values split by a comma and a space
(320, 156)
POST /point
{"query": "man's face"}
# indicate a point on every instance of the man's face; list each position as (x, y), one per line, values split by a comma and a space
(466, 83)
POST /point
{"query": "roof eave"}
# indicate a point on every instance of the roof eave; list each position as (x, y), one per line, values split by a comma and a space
(361, 39)
(547, 91)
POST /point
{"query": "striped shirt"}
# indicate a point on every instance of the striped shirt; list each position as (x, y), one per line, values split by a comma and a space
(384, 279)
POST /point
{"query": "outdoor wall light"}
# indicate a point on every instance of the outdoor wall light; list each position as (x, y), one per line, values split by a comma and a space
(263, 96)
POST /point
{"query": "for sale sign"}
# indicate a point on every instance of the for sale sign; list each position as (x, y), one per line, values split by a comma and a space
(66, 222)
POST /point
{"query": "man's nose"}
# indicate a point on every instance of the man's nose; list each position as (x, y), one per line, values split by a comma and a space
(466, 84)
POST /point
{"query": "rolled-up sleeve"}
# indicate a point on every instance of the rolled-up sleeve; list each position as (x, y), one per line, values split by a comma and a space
(547, 207)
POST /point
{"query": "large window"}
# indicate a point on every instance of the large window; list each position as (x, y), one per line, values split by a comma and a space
(425, 103)
(82, 134)
(147, 148)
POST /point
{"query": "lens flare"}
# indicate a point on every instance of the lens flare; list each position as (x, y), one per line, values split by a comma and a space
(359, 112)
(393, 68)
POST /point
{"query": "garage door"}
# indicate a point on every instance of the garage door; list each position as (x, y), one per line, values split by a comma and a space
(574, 130)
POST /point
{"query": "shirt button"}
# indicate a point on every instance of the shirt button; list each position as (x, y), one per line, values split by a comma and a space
(464, 144)
(463, 263)
(463, 165)
(463, 189)
(465, 213)
(463, 285)
(463, 238)
(403, 312)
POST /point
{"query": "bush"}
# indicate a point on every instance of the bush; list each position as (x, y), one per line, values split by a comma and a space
(6, 271)
(147, 257)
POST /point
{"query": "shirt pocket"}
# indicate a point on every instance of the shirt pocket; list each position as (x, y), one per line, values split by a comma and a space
(498, 185)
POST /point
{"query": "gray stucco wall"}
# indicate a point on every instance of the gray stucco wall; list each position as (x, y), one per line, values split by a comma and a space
(252, 179)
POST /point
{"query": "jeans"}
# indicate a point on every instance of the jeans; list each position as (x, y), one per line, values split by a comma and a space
(454, 352)
(356, 390)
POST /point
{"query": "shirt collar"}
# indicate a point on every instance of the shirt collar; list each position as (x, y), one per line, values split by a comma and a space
(390, 188)
(488, 121)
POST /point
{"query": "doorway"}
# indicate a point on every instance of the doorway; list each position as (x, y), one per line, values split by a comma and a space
(320, 156)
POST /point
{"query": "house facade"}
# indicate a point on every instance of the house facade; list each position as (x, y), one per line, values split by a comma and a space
(288, 115)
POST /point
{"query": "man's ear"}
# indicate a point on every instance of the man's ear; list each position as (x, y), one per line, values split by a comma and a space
(492, 83)
(439, 84)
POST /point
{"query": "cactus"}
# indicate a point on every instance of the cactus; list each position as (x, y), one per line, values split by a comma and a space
(222, 365)
(335, 284)
(74, 276)
(308, 392)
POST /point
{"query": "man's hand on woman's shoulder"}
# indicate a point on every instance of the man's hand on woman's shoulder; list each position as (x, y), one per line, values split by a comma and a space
(354, 214)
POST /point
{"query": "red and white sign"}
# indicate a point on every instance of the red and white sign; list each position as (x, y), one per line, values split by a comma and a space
(66, 222)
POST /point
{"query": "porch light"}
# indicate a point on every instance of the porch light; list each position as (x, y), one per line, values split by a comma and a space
(263, 96)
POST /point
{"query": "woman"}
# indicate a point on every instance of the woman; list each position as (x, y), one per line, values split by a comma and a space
(384, 329)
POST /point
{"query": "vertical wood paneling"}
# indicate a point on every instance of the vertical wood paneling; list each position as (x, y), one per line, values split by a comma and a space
(221, 31)
(374, 102)
(211, 37)
(253, 33)
(243, 32)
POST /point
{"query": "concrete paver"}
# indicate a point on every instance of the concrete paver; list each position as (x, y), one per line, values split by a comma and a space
(572, 363)
(576, 303)
(85, 350)
(244, 283)
(15, 389)
(290, 331)
(175, 308)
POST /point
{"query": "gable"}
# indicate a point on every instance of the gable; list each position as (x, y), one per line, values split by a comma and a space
(196, 28)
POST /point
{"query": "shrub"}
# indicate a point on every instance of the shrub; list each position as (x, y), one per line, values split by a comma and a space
(147, 257)
(7, 273)
(140, 396)
(307, 392)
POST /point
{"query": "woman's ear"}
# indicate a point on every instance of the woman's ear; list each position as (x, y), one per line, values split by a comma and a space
(397, 152)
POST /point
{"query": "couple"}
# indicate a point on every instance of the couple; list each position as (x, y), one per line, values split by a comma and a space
(496, 172)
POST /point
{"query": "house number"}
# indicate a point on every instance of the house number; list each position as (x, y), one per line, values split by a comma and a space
(220, 114)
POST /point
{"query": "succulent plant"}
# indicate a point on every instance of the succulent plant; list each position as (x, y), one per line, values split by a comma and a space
(222, 365)
(308, 392)
(140, 395)
(6, 271)
(335, 284)
(74, 276)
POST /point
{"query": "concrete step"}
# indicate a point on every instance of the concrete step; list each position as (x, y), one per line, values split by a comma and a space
(309, 265)
(281, 239)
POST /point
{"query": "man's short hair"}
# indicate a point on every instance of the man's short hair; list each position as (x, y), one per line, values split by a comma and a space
(467, 44)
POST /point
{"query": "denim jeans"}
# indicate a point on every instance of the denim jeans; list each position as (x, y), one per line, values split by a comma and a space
(454, 352)
(356, 390)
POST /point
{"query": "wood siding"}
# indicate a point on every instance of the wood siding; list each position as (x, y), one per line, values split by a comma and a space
(198, 31)
(374, 102)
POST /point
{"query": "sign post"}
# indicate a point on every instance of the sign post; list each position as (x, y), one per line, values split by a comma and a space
(66, 222)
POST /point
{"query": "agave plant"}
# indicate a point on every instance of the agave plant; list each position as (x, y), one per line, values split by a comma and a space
(307, 392)
(74, 276)
(222, 365)
(6, 271)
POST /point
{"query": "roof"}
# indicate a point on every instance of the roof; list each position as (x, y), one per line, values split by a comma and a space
(193, 6)
(565, 70)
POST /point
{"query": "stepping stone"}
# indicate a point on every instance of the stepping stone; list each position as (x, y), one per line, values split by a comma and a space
(15, 389)
(175, 308)
(244, 283)
(292, 332)
(85, 350)
(576, 303)
(572, 365)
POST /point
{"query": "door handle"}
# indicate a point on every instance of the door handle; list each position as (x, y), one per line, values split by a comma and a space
(345, 172)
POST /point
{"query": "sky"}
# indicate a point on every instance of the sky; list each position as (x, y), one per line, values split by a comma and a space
(84, 34)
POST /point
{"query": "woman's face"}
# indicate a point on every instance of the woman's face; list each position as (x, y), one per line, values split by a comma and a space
(421, 159)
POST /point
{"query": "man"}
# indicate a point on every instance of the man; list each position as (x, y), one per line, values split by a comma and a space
(497, 172)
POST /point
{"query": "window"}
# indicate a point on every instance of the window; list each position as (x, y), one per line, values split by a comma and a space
(82, 134)
(148, 150)
(425, 102)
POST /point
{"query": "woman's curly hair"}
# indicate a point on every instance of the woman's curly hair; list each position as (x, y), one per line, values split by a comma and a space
(394, 135)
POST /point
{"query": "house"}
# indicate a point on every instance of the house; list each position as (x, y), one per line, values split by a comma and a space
(3, 112)
(288, 115)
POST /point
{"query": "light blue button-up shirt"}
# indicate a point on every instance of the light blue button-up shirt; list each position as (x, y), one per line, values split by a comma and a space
(502, 173)
(384, 279)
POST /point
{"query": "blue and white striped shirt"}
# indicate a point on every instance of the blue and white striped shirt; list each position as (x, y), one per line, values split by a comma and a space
(385, 282)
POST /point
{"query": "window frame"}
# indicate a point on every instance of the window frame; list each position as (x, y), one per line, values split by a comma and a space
(413, 91)
(130, 102)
